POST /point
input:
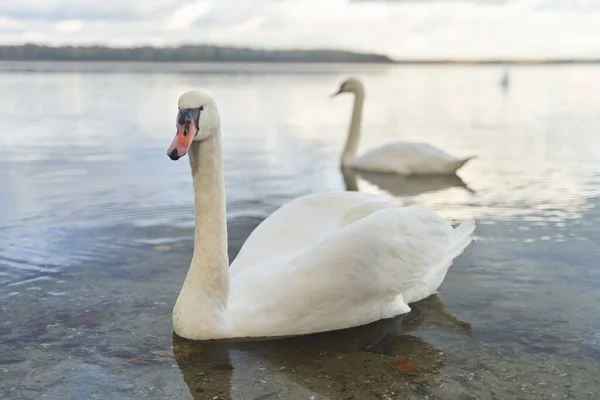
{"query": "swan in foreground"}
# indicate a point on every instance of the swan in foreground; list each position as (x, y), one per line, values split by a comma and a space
(321, 262)
(404, 158)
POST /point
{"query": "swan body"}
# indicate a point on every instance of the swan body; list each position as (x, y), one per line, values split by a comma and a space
(320, 262)
(402, 158)
(505, 80)
(408, 158)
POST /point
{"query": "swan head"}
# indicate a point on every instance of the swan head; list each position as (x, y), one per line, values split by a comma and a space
(350, 85)
(197, 119)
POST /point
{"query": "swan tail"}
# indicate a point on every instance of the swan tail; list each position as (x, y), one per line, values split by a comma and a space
(456, 165)
(460, 238)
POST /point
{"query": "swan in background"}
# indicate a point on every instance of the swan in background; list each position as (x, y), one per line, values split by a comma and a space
(320, 262)
(505, 81)
(404, 158)
(404, 186)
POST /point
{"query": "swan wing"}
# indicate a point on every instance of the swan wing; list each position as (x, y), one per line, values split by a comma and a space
(303, 222)
(351, 276)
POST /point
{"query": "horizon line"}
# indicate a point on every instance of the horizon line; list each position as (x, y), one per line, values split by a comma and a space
(391, 60)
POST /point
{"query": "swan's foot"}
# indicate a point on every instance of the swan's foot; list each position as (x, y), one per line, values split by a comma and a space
(391, 330)
(434, 312)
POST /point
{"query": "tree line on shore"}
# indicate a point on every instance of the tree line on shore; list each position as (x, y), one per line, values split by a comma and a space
(188, 53)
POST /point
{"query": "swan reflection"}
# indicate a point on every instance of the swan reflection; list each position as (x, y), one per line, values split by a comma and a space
(353, 361)
(403, 186)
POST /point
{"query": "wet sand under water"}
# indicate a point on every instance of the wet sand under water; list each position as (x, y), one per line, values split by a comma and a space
(111, 337)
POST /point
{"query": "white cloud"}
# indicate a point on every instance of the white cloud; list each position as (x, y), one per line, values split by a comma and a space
(68, 26)
(9, 24)
(184, 17)
(401, 28)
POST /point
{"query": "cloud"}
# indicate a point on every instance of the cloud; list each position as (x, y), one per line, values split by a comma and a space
(68, 27)
(184, 17)
(434, 1)
(568, 5)
(400, 28)
(65, 10)
(110, 10)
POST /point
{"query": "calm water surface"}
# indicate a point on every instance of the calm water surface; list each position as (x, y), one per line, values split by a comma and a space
(96, 230)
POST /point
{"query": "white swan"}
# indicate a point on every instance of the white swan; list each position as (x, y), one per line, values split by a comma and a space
(505, 80)
(404, 158)
(321, 262)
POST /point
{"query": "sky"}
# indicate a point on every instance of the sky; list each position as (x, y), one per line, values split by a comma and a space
(398, 28)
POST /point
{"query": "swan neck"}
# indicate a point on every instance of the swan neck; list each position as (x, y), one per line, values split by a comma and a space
(202, 303)
(353, 138)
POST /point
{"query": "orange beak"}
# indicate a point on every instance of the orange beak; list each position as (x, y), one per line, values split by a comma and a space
(186, 131)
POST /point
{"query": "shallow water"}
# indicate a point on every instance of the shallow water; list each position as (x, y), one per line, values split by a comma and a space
(96, 230)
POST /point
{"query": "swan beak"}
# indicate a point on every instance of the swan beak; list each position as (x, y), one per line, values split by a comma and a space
(336, 93)
(186, 132)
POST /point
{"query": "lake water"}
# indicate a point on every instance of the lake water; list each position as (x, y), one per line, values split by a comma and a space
(96, 230)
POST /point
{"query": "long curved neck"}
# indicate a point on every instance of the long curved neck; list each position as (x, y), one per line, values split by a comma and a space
(202, 303)
(353, 138)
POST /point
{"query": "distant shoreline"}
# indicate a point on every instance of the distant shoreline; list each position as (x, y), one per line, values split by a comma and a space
(228, 54)
(499, 62)
(188, 53)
